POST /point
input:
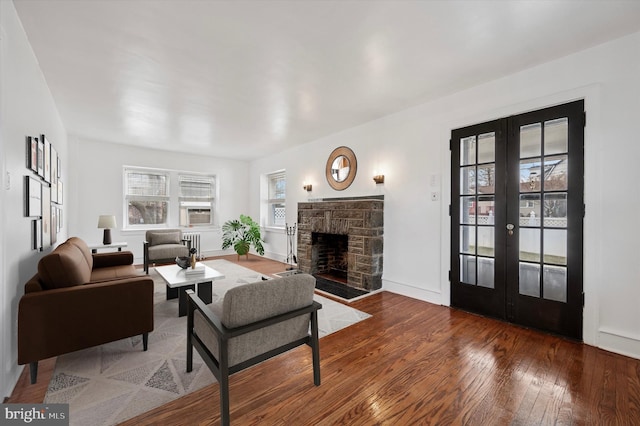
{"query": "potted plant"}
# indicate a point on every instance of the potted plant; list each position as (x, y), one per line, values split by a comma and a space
(241, 235)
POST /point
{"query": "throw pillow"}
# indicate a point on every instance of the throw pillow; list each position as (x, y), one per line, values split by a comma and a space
(165, 238)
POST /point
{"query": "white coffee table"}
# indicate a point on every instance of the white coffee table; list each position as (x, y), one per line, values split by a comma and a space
(178, 282)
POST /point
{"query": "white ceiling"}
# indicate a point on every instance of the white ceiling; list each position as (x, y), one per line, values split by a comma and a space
(243, 79)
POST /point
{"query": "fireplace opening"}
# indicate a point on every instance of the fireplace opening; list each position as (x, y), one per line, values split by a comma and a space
(330, 256)
(330, 265)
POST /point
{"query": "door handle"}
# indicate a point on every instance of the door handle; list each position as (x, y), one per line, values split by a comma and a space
(510, 228)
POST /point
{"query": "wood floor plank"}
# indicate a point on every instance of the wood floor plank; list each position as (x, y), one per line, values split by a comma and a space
(413, 362)
(632, 373)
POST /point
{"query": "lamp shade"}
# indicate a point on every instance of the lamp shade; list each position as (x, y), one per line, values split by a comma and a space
(107, 222)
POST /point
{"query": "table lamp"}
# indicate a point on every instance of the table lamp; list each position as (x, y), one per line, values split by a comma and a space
(107, 222)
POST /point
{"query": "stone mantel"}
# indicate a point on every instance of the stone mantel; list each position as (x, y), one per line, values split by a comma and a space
(362, 220)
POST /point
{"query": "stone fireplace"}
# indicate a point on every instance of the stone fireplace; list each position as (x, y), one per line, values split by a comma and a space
(343, 238)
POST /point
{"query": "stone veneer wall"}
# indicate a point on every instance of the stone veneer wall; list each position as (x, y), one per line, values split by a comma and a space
(362, 220)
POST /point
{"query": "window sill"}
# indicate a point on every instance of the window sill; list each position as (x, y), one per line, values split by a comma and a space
(210, 228)
(274, 229)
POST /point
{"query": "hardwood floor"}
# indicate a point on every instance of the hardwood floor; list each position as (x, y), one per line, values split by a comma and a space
(417, 363)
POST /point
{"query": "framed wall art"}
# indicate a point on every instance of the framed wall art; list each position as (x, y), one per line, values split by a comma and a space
(43, 192)
(59, 219)
(54, 224)
(36, 234)
(33, 197)
(32, 154)
(40, 157)
(46, 216)
(60, 192)
(47, 159)
(54, 175)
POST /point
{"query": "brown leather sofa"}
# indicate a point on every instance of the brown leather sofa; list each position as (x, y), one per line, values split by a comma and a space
(78, 300)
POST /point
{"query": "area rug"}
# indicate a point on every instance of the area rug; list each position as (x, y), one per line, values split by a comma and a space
(111, 383)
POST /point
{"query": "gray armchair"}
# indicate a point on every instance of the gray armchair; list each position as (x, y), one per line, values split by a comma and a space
(163, 245)
(252, 323)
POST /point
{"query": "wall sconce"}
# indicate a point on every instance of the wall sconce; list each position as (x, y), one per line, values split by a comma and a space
(378, 179)
(307, 187)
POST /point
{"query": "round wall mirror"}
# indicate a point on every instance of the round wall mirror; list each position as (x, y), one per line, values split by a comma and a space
(341, 168)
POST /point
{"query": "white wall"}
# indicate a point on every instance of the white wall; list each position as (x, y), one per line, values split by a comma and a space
(26, 108)
(96, 169)
(411, 149)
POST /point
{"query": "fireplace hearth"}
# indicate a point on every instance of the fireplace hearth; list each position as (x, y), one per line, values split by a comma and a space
(342, 240)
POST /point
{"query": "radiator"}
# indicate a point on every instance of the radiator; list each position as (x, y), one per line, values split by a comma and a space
(194, 238)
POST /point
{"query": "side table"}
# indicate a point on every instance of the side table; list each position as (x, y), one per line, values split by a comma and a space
(97, 246)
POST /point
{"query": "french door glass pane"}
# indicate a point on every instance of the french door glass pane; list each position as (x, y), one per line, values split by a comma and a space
(487, 179)
(555, 210)
(554, 283)
(485, 209)
(530, 210)
(529, 279)
(530, 244)
(555, 246)
(467, 210)
(556, 136)
(530, 171)
(531, 140)
(555, 173)
(486, 243)
(486, 272)
(467, 180)
(487, 148)
(468, 151)
(468, 269)
(468, 239)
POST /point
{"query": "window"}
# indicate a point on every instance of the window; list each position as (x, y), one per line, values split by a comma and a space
(276, 199)
(146, 197)
(155, 198)
(196, 199)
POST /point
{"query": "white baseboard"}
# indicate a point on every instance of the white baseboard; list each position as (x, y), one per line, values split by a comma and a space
(412, 291)
(273, 256)
(211, 253)
(619, 342)
(8, 387)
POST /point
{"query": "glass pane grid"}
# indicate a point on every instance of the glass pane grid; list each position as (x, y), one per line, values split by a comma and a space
(467, 270)
(468, 150)
(467, 214)
(543, 204)
(468, 180)
(486, 148)
(556, 136)
(530, 140)
(277, 186)
(477, 176)
(529, 283)
(147, 184)
(278, 214)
